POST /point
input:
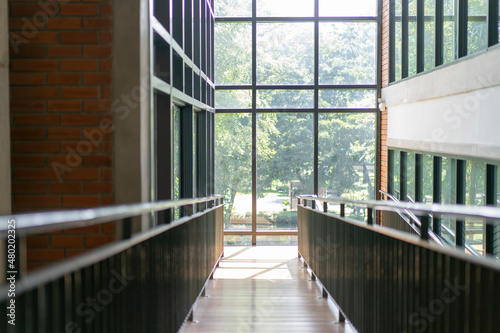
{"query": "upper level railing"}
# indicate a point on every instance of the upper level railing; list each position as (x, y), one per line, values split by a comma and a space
(147, 282)
(423, 213)
(414, 222)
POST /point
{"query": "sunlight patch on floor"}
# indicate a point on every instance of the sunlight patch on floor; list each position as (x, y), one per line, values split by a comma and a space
(259, 263)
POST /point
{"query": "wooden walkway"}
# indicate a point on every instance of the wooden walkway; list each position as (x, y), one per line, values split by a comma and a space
(263, 289)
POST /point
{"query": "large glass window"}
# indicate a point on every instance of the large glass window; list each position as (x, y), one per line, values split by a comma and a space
(347, 98)
(285, 98)
(285, 53)
(284, 167)
(285, 8)
(233, 53)
(464, 31)
(348, 8)
(233, 99)
(347, 53)
(233, 8)
(347, 155)
(277, 89)
(233, 168)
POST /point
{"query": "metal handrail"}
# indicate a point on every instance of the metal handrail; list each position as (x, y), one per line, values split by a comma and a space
(33, 223)
(431, 233)
(416, 220)
(415, 225)
(491, 215)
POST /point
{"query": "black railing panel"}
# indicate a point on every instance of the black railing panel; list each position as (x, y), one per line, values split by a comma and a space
(387, 281)
(145, 284)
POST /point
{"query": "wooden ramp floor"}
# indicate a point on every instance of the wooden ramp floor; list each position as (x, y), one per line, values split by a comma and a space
(263, 289)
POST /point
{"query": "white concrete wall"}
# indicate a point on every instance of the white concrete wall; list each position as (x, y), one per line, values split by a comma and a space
(454, 110)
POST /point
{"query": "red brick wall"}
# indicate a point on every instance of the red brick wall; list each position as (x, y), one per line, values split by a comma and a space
(385, 82)
(61, 119)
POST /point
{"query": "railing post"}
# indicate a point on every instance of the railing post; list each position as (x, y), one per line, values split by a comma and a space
(370, 216)
(127, 228)
(342, 210)
(298, 201)
(424, 230)
(325, 207)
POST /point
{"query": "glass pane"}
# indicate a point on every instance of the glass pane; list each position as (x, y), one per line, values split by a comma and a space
(348, 8)
(233, 53)
(285, 98)
(412, 37)
(448, 190)
(396, 175)
(284, 167)
(475, 196)
(498, 188)
(238, 240)
(285, 53)
(429, 37)
(477, 27)
(177, 157)
(347, 53)
(410, 177)
(285, 8)
(496, 236)
(233, 8)
(277, 240)
(450, 33)
(360, 98)
(347, 155)
(233, 168)
(233, 99)
(428, 172)
(398, 56)
(449, 180)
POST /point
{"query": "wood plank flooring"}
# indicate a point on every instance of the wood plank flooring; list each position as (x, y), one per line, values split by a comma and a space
(263, 289)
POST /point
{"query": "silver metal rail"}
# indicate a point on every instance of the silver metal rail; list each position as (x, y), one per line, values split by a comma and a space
(491, 215)
(440, 240)
(415, 220)
(33, 223)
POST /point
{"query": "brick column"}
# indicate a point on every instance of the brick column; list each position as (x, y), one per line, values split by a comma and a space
(61, 117)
